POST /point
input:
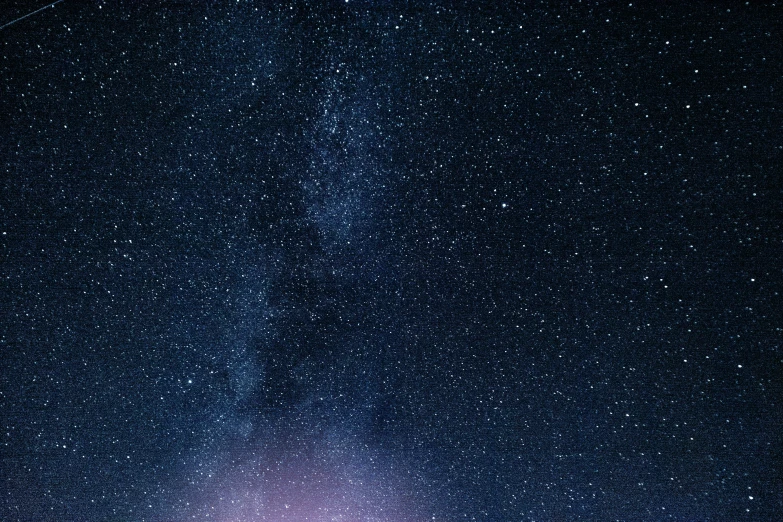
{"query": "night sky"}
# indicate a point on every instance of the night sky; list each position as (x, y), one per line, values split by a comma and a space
(404, 261)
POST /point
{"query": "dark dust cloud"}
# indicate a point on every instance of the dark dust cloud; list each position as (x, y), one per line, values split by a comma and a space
(391, 261)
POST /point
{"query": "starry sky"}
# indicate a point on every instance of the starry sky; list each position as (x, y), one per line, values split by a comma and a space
(391, 261)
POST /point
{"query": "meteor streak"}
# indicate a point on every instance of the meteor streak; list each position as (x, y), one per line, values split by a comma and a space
(12, 22)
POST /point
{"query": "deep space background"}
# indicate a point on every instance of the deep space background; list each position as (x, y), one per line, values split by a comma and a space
(391, 261)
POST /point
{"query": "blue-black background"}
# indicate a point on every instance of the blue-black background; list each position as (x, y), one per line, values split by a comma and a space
(391, 261)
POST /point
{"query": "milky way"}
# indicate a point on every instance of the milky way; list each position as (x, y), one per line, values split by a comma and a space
(400, 262)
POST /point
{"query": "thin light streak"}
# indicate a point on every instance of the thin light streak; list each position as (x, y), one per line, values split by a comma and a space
(12, 22)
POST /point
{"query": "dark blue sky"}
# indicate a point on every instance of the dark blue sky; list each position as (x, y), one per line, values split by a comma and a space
(411, 261)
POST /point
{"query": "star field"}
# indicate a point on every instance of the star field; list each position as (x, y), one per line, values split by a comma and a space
(397, 261)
